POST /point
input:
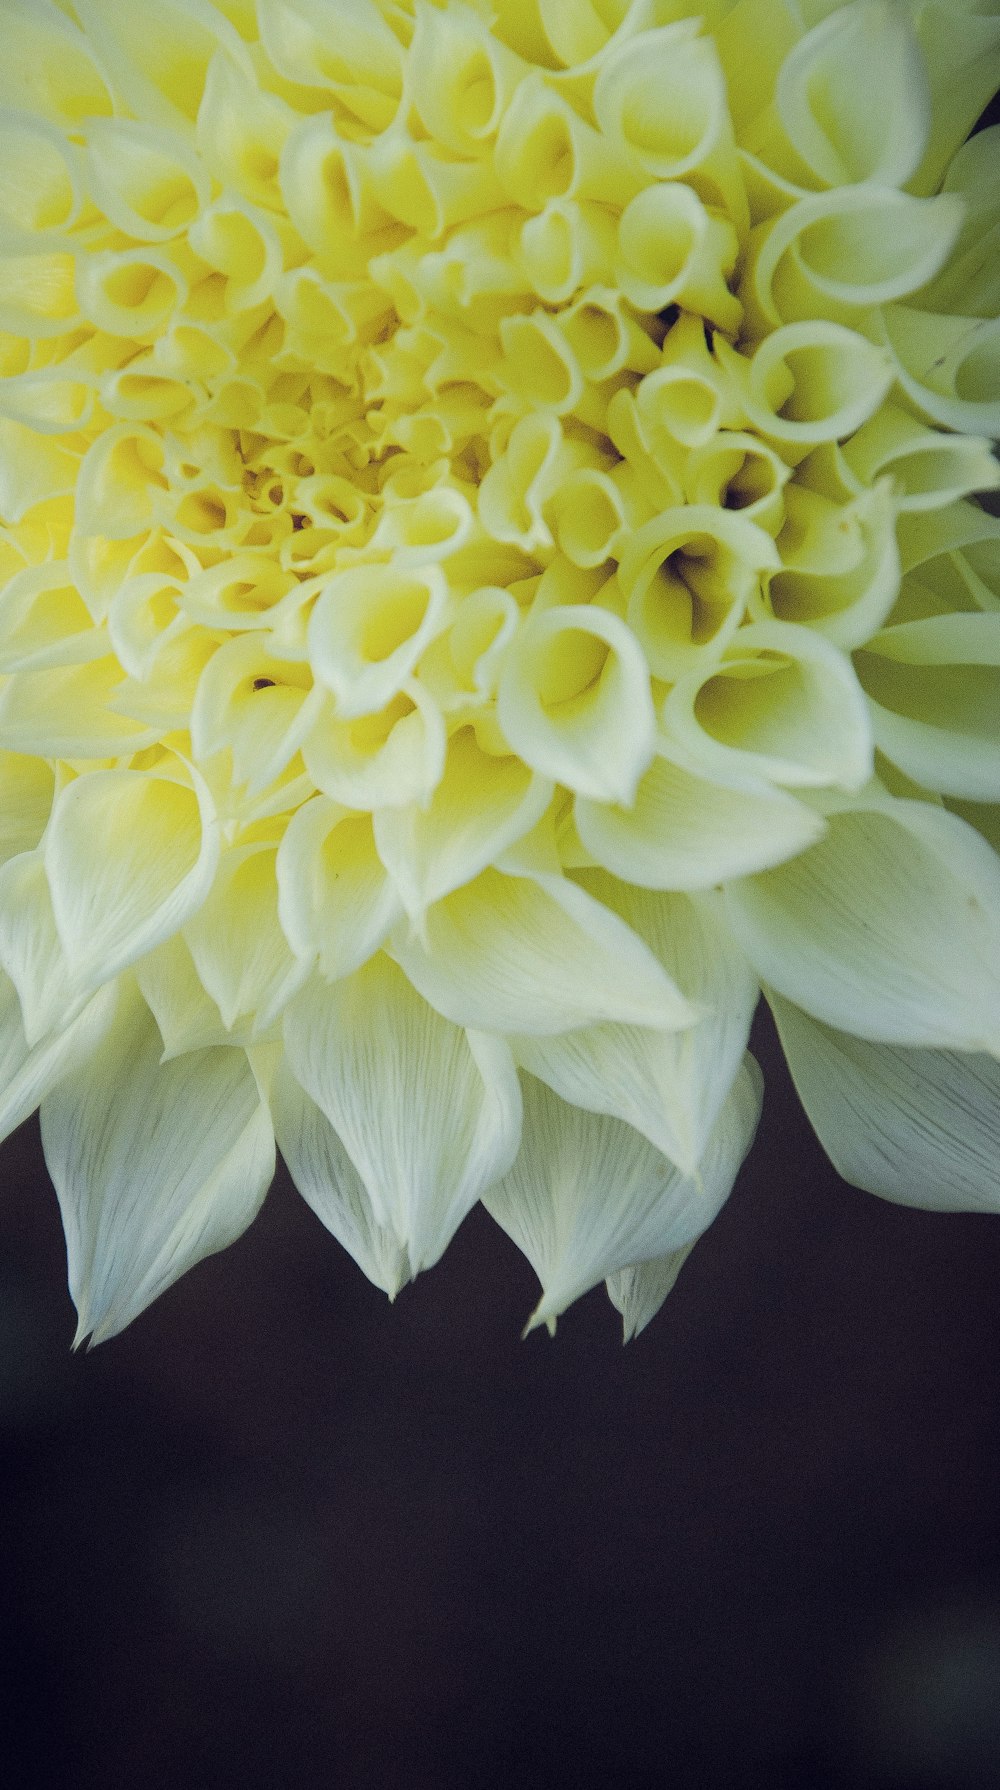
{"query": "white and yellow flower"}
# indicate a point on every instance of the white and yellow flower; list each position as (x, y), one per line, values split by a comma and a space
(493, 575)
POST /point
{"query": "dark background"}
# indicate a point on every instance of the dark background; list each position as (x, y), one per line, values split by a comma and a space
(280, 1533)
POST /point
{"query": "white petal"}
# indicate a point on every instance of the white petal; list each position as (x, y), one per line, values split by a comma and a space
(934, 688)
(185, 1012)
(30, 951)
(783, 705)
(155, 1165)
(327, 1178)
(335, 901)
(239, 950)
(538, 954)
(668, 1085)
(574, 700)
(920, 1127)
(130, 855)
(429, 1116)
(482, 805)
(683, 832)
(639, 1291)
(853, 96)
(28, 1072)
(889, 928)
(26, 789)
(587, 1195)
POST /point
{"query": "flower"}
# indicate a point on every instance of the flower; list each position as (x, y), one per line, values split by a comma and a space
(492, 577)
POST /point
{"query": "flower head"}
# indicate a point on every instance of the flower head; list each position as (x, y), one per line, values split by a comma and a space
(492, 577)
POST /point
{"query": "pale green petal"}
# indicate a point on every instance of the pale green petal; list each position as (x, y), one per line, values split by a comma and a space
(685, 832)
(668, 1085)
(30, 949)
(239, 949)
(155, 1165)
(889, 928)
(587, 1195)
(538, 954)
(28, 1072)
(853, 96)
(934, 690)
(783, 706)
(335, 900)
(186, 1014)
(130, 856)
(26, 788)
(327, 1178)
(920, 1127)
(428, 1115)
(639, 1291)
(482, 805)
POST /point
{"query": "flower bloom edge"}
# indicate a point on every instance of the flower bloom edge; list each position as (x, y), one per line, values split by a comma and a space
(494, 573)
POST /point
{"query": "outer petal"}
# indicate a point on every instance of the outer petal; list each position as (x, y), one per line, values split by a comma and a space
(30, 951)
(28, 1072)
(327, 1178)
(587, 1195)
(668, 1085)
(920, 1127)
(429, 1115)
(239, 950)
(683, 832)
(481, 806)
(639, 1291)
(156, 1165)
(335, 900)
(130, 855)
(536, 954)
(889, 928)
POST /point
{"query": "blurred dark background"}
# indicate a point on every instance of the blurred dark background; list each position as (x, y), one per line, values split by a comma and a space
(281, 1533)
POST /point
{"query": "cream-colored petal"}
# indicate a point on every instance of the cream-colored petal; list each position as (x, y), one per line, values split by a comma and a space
(535, 954)
(888, 928)
(481, 806)
(156, 1165)
(236, 942)
(130, 856)
(336, 902)
(587, 1195)
(639, 1291)
(31, 952)
(27, 785)
(328, 1180)
(29, 1071)
(574, 701)
(919, 1127)
(185, 1012)
(783, 705)
(160, 74)
(429, 1115)
(853, 96)
(668, 1085)
(685, 832)
(48, 65)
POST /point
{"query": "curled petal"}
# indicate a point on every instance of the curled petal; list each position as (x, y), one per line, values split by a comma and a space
(129, 855)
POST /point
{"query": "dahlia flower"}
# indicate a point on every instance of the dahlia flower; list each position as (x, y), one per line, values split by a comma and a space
(493, 578)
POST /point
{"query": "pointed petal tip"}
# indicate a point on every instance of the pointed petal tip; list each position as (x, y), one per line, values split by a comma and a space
(539, 1317)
